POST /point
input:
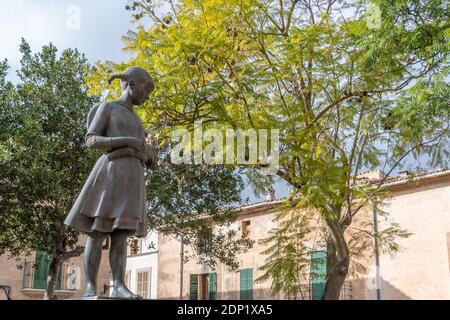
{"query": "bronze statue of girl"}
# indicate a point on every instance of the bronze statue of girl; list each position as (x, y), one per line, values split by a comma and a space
(112, 201)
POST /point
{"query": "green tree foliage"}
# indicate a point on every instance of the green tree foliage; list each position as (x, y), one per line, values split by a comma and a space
(288, 253)
(350, 89)
(43, 126)
(44, 163)
(196, 205)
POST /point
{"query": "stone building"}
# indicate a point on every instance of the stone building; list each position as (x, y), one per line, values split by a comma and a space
(142, 266)
(419, 270)
(28, 280)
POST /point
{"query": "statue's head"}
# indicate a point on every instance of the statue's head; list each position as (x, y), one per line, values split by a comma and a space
(137, 82)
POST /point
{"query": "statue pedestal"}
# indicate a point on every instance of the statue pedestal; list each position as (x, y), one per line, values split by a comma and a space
(104, 298)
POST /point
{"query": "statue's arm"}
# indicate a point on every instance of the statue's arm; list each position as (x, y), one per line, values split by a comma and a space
(109, 143)
(128, 151)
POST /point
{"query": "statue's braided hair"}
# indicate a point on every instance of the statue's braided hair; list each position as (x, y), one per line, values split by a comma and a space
(132, 73)
(116, 76)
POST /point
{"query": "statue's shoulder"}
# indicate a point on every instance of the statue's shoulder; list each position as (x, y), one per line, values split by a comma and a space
(103, 106)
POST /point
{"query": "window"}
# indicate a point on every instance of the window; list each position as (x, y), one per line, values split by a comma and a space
(70, 276)
(128, 278)
(204, 246)
(245, 228)
(142, 284)
(204, 241)
(246, 284)
(318, 274)
(203, 286)
(41, 268)
(193, 287)
(134, 246)
(212, 290)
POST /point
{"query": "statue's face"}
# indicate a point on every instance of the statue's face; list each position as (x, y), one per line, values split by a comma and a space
(140, 90)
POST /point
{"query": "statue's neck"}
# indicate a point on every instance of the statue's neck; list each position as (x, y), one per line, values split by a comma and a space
(125, 100)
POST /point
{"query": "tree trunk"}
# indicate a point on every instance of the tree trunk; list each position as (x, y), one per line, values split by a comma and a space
(331, 254)
(55, 265)
(339, 269)
(336, 279)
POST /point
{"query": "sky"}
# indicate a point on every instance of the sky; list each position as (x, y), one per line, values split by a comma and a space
(94, 27)
(96, 32)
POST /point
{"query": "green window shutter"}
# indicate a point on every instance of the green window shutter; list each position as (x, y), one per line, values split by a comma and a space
(246, 284)
(318, 274)
(58, 279)
(42, 266)
(193, 287)
(212, 290)
(250, 284)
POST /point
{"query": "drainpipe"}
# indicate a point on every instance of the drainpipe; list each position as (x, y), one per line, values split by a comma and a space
(377, 252)
(181, 268)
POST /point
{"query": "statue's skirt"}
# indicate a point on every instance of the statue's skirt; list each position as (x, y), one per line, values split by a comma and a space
(113, 197)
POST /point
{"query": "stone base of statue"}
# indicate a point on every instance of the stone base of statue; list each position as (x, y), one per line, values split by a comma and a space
(104, 298)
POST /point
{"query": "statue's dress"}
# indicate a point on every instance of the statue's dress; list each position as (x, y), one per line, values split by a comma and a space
(113, 196)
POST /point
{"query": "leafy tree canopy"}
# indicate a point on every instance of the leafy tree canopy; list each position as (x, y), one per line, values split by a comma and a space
(352, 85)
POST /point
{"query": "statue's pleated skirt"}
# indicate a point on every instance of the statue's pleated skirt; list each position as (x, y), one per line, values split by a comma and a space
(113, 197)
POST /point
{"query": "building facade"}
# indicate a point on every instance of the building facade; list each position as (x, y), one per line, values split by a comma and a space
(27, 277)
(419, 270)
(142, 266)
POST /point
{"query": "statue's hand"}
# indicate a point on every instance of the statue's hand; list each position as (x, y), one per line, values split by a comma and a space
(126, 152)
(152, 154)
(137, 144)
